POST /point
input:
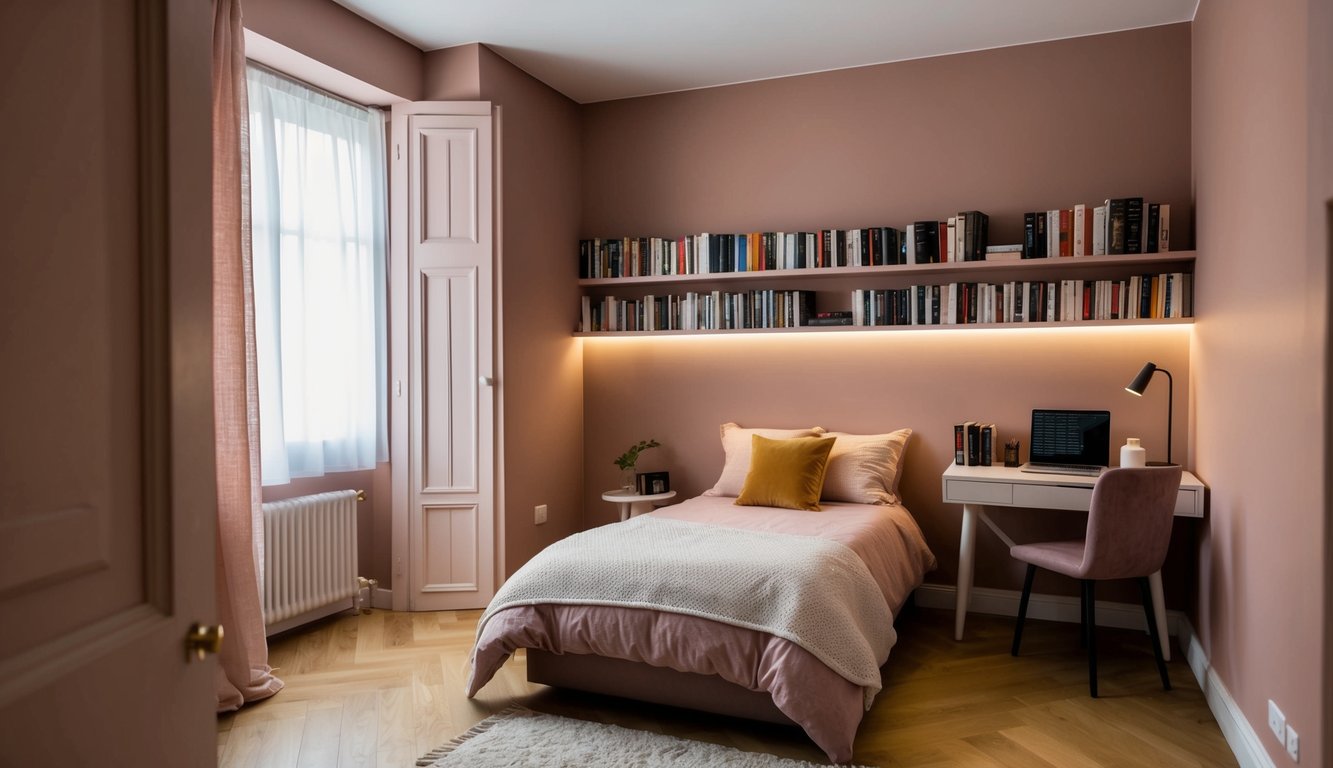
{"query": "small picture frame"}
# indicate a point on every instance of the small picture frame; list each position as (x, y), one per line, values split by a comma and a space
(649, 483)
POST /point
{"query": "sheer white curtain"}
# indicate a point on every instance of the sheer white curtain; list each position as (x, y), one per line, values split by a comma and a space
(318, 221)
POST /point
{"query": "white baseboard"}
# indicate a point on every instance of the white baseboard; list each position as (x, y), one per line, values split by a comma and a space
(1004, 602)
(1236, 729)
(383, 599)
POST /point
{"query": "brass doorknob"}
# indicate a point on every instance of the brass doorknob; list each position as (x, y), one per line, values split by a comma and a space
(203, 639)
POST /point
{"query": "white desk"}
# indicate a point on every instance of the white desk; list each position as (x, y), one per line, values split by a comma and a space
(633, 504)
(978, 487)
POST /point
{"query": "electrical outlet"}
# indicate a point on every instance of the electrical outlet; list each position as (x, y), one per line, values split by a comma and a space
(1293, 744)
(539, 514)
(1277, 722)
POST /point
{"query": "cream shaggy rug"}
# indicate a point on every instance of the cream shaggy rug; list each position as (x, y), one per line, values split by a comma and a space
(521, 738)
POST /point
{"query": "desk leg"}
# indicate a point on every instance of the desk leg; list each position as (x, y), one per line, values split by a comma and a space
(967, 545)
(1159, 610)
(624, 510)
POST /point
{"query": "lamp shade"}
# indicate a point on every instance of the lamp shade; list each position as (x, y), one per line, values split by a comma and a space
(1140, 382)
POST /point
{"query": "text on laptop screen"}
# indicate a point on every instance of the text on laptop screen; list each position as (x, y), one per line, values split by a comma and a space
(1071, 437)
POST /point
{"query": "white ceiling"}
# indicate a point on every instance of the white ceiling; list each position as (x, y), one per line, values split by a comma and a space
(595, 50)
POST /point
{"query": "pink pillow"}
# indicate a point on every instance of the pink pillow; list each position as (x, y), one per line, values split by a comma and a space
(865, 469)
(736, 446)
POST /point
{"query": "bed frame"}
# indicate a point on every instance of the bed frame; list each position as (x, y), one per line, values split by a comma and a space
(659, 685)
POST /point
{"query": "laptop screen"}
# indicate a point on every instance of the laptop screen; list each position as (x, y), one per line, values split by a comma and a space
(1071, 437)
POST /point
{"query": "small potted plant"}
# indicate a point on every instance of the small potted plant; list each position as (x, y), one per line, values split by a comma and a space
(628, 459)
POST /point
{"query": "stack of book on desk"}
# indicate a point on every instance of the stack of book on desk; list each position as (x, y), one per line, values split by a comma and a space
(973, 443)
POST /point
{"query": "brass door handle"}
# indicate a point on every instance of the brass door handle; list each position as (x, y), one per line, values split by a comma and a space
(203, 639)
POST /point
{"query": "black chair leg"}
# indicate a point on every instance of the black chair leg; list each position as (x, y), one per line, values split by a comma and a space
(1023, 609)
(1090, 618)
(1082, 618)
(1153, 632)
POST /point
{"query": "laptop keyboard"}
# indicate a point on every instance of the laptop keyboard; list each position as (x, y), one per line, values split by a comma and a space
(1064, 469)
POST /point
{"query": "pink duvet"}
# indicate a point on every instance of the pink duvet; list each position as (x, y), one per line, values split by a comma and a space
(826, 705)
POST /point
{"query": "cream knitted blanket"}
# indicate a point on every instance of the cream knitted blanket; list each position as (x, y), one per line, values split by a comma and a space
(814, 592)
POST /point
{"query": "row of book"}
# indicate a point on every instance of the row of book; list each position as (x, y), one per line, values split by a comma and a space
(1118, 226)
(1166, 295)
(973, 444)
(1149, 296)
(958, 238)
(699, 311)
(746, 252)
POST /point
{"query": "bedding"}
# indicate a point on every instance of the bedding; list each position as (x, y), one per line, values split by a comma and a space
(883, 537)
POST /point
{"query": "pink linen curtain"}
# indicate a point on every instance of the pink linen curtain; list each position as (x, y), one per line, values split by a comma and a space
(243, 672)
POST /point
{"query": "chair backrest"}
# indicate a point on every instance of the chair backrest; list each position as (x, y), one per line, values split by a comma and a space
(1129, 522)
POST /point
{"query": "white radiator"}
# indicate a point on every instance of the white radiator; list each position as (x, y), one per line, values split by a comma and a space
(309, 558)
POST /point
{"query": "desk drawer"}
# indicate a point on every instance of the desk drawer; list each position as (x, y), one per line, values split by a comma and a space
(1187, 503)
(972, 492)
(1053, 497)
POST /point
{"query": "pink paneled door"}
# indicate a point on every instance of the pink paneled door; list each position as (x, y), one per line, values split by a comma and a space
(106, 455)
(442, 351)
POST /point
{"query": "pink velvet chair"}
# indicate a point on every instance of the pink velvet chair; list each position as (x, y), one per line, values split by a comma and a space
(1129, 528)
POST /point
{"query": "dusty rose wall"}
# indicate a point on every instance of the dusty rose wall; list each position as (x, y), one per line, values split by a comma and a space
(1004, 131)
(1321, 227)
(453, 74)
(328, 32)
(542, 364)
(1259, 360)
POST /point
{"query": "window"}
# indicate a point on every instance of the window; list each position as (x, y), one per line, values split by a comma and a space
(317, 194)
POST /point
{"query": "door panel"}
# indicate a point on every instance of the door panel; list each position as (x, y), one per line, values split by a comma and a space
(106, 458)
(449, 380)
(443, 356)
(449, 558)
(448, 184)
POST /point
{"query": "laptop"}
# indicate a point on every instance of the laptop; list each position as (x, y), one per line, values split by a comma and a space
(1069, 442)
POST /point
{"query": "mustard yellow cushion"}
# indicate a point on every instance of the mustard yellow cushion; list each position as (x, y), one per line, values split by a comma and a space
(786, 473)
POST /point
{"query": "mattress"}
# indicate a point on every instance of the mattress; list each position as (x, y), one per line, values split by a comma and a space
(827, 706)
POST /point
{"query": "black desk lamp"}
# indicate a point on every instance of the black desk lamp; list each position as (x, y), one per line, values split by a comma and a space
(1140, 383)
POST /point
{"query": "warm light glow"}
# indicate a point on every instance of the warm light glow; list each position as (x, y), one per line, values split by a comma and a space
(915, 332)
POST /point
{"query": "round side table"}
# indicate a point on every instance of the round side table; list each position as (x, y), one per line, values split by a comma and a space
(633, 503)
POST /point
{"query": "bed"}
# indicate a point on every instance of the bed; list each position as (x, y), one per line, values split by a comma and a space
(751, 610)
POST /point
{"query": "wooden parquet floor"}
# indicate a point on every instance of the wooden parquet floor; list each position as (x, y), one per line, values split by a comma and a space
(384, 688)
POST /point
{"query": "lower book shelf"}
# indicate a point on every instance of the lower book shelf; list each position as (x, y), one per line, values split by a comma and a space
(1151, 298)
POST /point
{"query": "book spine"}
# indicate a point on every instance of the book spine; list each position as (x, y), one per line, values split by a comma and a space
(1151, 228)
(1099, 231)
(1029, 234)
(1080, 222)
(987, 444)
(927, 242)
(1164, 229)
(1115, 226)
(959, 444)
(1134, 225)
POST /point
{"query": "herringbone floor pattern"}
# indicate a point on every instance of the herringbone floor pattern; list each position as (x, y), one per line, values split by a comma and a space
(382, 689)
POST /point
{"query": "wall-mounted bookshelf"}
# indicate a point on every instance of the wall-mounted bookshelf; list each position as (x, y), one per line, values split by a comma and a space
(1106, 264)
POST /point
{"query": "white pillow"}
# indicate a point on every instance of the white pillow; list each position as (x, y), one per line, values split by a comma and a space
(736, 446)
(865, 469)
